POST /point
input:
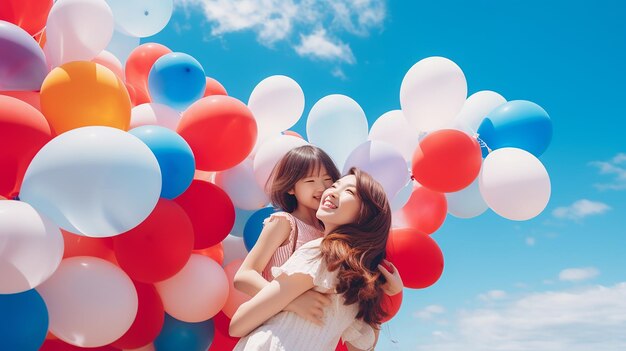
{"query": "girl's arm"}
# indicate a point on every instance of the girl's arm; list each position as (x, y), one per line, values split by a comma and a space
(248, 278)
(272, 299)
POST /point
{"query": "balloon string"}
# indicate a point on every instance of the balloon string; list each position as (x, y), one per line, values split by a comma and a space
(482, 143)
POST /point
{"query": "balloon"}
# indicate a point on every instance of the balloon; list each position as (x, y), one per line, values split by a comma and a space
(391, 305)
(32, 247)
(141, 18)
(23, 132)
(514, 184)
(29, 97)
(108, 60)
(292, 133)
(338, 125)
(433, 91)
(383, 162)
(475, 109)
(417, 257)
(121, 46)
(210, 210)
(157, 248)
(58, 345)
(91, 302)
(174, 156)
(222, 341)
(215, 252)
(402, 197)
(270, 153)
(466, 203)
(22, 63)
(277, 103)
(80, 245)
(80, 178)
(213, 87)
(447, 160)
(176, 80)
(241, 186)
(149, 320)
(220, 130)
(154, 114)
(177, 335)
(241, 217)
(235, 297)
(139, 64)
(520, 124)
(24, 321)
(77, 30)
(79, 94)
(29, 15)
(254, 226)
(394, 129)
(426, 210)
(234, 248)
(197, 292)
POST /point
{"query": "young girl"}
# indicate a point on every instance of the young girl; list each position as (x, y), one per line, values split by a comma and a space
(345, 262)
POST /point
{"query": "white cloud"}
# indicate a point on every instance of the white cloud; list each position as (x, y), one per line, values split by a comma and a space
(580, 209)
(429, 312)
(614, 168)
(590, 319)
(578, 274)
(492, 295)
(309, 23)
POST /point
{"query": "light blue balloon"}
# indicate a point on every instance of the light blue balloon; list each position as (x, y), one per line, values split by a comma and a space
(176, 80)
(254, 226)
(22, 62)
(174, 156)
(520, 124)
(122, 45)
(141, 18)
(177, 335)
(23, 321)
(241, 218)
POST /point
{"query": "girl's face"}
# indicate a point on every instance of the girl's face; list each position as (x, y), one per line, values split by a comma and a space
(340, 204)
(308, 190)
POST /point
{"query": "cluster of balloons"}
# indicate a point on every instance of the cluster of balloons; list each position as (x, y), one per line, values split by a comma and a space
(132, 186)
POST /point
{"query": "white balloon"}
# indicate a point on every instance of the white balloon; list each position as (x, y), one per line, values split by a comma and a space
(241, 186)
(154, 114)
(91, 302)
(277, 103)
(402, 197)
(110, 61)
(383, 162)
(270, 153)
(432, 93)
(466, 203)
(475, 109)
(31, 247)
(393, 128)
(141, 18)
(77, 30)
(514, 183)
(122, 45)
(96, 181)
(337, 124)
(234, 249)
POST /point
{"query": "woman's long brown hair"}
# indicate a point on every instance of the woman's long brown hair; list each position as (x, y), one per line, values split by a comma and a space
(356, 250)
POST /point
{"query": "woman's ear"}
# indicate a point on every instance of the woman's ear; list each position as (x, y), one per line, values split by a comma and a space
(292, 191)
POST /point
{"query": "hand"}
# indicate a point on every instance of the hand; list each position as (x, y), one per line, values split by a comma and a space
(310, 306)
(394, 283)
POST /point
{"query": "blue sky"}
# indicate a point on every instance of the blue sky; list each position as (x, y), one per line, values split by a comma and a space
(556, 282)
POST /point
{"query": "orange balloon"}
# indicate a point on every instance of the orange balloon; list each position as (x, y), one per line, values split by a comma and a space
(80, 245)
(138, 67)
(215, 252)
(79, 94)
(213, 87)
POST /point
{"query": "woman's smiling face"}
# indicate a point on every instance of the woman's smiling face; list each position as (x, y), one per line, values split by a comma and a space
(339, 204)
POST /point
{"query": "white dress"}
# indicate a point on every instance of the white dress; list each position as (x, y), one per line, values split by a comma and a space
(286, 331)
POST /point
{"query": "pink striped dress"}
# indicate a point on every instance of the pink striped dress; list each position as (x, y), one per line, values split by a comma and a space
(305, 233)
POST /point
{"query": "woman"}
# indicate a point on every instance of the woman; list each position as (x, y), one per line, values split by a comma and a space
(356, 217)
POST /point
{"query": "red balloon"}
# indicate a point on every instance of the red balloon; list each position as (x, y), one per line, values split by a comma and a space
(447, 160)
(23, 132)
(391, 305)
(30, 15)
(222, 341)
(29, 97)
(210, 210)
(213, 87)
(341, 346)
(80, 245)
(58, 345)
(220, 130)
(149, 320)
(138, 67)
(215, 252)
(157, 248)
(426, 210)
(417, 257)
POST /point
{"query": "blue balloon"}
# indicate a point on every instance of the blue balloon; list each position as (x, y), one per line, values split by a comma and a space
(520, 124)
(23, 321)
(176, 80)
(254, 226)
(174, 156)
(177, 335)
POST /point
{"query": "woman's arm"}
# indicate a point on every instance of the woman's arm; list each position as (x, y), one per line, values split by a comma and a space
(268, 302)
(248, 278)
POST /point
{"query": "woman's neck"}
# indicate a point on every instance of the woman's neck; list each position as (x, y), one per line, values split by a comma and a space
(306, 215)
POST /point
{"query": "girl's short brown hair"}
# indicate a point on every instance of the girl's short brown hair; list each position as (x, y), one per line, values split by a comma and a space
(298, 163)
